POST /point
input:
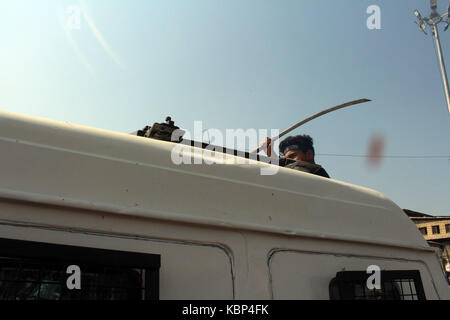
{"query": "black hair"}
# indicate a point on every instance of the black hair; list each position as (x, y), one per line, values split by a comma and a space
(303, 142)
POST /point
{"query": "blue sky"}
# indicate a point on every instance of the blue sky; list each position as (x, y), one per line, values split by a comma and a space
(244, 64)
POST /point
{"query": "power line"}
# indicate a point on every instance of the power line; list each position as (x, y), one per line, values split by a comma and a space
(392, 157)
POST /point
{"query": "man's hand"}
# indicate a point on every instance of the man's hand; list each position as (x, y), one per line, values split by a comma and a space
(267, 147)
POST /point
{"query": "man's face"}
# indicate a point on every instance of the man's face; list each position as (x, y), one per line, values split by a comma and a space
(299, 155)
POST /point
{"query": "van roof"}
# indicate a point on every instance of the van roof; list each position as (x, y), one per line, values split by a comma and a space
(65, 164)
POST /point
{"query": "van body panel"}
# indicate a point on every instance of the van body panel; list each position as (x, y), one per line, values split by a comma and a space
(223, 231)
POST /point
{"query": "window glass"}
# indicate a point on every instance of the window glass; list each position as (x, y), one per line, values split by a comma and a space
(395, 285)
(436, 229)
(40, 271)
(20, 280)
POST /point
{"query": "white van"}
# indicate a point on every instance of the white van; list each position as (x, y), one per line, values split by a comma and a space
(115, 209)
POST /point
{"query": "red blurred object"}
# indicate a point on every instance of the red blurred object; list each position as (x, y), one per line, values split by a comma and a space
(376, 150)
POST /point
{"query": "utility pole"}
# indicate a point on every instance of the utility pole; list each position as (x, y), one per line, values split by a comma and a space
(432, 21)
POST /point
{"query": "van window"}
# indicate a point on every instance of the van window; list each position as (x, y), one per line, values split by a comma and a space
(40, 271)
(394, 285)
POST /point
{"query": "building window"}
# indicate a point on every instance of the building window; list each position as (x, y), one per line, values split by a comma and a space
(395, 285)
(436, 229)
(447, 228)
(38, 271)
(423, 231)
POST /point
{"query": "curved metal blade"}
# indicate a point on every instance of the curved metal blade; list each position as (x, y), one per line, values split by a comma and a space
(321, 113)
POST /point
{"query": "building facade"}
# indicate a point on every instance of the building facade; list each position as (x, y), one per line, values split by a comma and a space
(436, 230)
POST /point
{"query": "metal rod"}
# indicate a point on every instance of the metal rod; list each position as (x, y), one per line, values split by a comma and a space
(442, 64)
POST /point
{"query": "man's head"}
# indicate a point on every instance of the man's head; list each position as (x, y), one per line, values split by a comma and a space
(298, 148)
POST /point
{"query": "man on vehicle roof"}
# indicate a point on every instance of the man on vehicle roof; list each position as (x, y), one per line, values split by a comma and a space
(298, 154)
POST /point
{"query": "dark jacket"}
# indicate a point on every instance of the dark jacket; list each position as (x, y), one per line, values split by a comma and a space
(304, 166)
